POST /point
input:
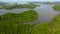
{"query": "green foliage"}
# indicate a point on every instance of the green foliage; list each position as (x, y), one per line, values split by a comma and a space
(57, 7)
(12, 28)
(40, 29)
(1, 7)
(27, 6)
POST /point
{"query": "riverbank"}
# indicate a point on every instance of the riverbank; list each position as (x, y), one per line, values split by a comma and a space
(48, 28)
(56, 7)
(26, 16)
(17, 6)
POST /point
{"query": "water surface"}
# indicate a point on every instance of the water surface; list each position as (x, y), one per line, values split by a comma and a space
(46, 13)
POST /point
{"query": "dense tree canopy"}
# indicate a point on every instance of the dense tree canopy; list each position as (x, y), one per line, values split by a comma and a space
(9, 25)
(56, 7)
(16, 6)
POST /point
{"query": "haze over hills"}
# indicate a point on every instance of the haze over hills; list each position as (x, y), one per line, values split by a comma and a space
(3, 3)
(31, 0)
(17, 1)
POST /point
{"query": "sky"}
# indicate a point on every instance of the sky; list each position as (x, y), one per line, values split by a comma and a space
(29, 0)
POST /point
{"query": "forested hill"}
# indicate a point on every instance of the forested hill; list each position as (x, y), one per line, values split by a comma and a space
(45, 2)
(3, 3)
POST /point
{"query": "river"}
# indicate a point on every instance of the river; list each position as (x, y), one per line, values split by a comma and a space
(46, 13)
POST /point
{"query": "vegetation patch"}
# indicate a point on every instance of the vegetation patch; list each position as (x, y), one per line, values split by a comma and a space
(12, 28)
(16, 6)
(57, 7)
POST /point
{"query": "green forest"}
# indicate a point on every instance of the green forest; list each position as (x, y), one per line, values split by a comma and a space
(17, 6)
(56, 7)
(12, 23)
(22, 23)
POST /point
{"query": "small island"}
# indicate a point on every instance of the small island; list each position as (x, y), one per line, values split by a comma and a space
(26, 16)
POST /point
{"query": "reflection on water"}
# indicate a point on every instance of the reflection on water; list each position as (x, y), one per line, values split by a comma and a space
(46, 13)
(4, 11)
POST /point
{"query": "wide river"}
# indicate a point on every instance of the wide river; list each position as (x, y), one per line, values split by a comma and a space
(46, 13)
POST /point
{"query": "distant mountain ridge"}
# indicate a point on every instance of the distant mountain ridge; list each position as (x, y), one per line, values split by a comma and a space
(45, 2)
(3, 3)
